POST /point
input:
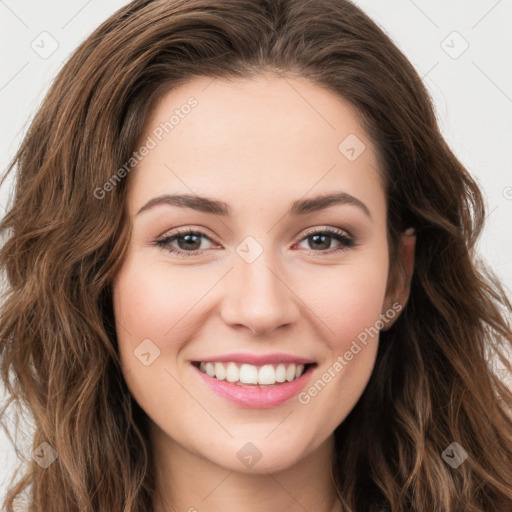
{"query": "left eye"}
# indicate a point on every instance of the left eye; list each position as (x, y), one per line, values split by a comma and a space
(189, 242)
(325, 237)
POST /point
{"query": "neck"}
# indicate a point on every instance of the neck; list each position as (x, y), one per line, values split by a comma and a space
(189, 482)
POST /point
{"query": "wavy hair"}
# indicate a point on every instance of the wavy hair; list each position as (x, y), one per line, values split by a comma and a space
(433, 381)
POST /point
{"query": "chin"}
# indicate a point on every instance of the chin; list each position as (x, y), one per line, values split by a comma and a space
(259, 457)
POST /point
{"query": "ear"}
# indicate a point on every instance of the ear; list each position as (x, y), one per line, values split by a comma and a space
(399, 282)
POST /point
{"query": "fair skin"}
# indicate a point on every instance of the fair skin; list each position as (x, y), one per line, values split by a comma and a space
(257, 145)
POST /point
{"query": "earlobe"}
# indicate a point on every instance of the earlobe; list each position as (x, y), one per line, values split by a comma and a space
(408, 246)
(400, 285)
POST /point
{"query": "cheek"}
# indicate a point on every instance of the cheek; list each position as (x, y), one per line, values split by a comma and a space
(348, 311)
(152, 303)
(346, 302)
(153, 308)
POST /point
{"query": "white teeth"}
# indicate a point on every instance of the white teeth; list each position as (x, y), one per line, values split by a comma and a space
(281, 373)
(290, 373)
(232, 373)
(266, 375)
(248, 374)
(210, 370)
(220, 371)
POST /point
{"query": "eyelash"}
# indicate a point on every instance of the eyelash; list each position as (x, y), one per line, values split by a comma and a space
(346, 241)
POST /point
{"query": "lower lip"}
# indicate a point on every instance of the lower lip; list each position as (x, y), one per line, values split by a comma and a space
(255, 396)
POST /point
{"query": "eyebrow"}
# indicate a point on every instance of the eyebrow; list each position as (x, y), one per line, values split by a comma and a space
(216, 207)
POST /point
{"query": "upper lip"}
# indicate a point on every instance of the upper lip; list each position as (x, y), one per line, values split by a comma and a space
(256, 360)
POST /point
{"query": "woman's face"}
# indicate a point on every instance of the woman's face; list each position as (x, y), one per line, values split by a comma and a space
(260, 288)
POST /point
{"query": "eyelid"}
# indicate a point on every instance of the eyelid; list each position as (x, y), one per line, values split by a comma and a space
(205, 232)
(347, 239)
(317, 229)
(192, 228)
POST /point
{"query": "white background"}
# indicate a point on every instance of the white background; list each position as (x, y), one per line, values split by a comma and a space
(472, 93)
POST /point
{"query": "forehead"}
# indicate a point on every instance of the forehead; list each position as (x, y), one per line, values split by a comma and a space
(263, 138)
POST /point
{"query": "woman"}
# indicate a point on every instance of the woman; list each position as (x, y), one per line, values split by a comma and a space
(241, 275)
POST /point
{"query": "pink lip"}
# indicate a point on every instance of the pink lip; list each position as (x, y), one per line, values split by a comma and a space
(256, 397)
(256, 360)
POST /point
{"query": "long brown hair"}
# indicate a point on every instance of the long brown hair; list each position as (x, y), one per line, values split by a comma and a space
(432, 384)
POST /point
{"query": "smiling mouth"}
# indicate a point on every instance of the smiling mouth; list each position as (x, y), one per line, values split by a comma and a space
(253, 375)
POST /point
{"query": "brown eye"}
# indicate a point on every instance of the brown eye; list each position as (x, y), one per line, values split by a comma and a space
(320, 241)
(188, 242)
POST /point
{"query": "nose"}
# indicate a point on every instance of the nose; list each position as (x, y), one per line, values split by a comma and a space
(258, 297)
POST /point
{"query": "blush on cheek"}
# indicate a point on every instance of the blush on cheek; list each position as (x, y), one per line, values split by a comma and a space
(347, 306)
(158, 303)
(138, 312)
